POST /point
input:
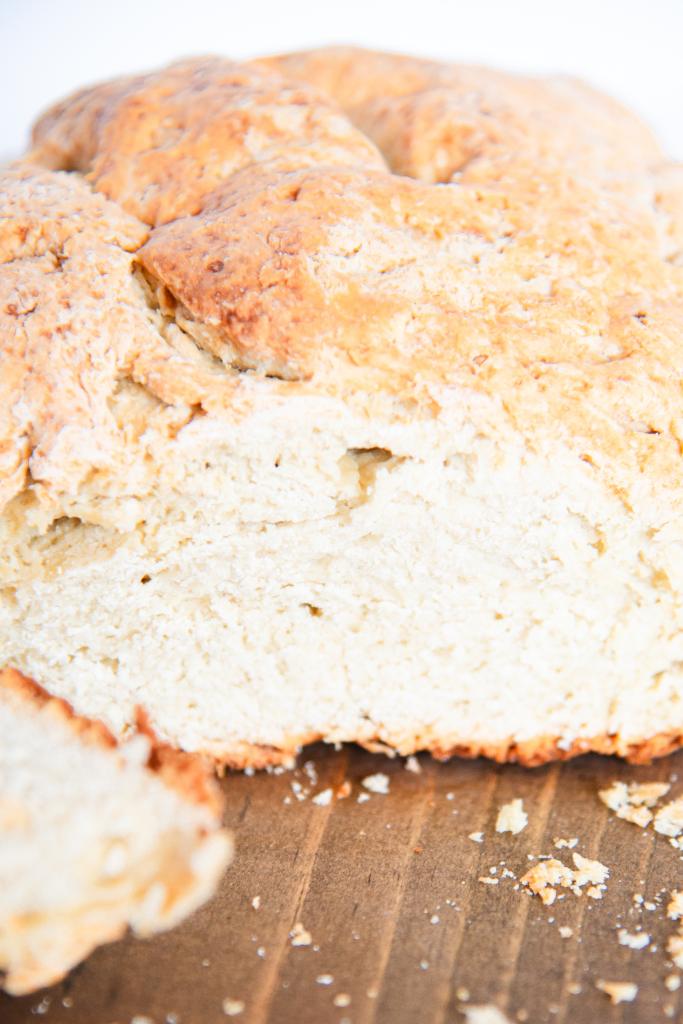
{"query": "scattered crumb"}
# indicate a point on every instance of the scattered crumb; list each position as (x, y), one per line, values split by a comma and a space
(486, 880)
(522, 1016)
(636, 793)
(424, 965)
(256, 902)
(43, 1006)
(299, 935)
(543, 877)
(568, 844)
(325, 979)
(261, 951)
(632, 801)
(68, 1002)
(669, 818)
(462, 994)
(298, 790)
(378, 783)
(343, 999)
(476, 837)
(674, 948)
(618, 991)
(363, 797)
(137, 1019)
(574, 988)
(344, 790)
(413, 765)
(323, 798)
(639, 940)
(674, 909)
(483, 1015)
(673, 982)
(566, 932)
(232, 1007)
(589, 870)
(512, 817)
(434, 919)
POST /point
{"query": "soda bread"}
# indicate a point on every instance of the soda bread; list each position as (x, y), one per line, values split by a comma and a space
(94, 836)
(341, 398)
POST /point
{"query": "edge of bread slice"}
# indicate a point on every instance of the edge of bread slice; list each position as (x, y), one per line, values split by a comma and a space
(95, 835)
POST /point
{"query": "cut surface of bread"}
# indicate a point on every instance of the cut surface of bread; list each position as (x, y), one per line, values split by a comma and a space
(340, 398)
(95, 836)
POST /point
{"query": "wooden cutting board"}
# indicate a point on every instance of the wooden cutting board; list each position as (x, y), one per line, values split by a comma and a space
(400, 926)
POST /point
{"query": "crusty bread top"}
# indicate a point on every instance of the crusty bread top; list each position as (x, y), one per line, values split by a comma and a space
(289, 218)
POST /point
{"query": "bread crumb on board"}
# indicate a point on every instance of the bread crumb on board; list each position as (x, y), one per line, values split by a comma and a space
(476, 837)
(618, 991)
(232, 1007)
(635, 802)
(323, 798)
(413, 765)
(568, 844)
(544, 878)
(377, 783)
(512, 817)
(299, 935)
(674, 911)
(672, 982)
(637, 940)
(669, 819)
(483, 1015)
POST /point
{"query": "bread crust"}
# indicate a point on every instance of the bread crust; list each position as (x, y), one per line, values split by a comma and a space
(299, 257)
(394, 236)
(41, 941)
(188, 774)
(529, 753)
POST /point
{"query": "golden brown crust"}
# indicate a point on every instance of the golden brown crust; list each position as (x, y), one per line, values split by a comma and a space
(161, 143)
(530, 753)
(188, 774)
(543, 279)
(432, 120)
(88, 730)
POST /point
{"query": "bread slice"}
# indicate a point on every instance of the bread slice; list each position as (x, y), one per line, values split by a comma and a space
(341, 398)
(95, 836)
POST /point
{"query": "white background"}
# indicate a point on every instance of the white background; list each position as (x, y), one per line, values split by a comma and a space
(632, 48)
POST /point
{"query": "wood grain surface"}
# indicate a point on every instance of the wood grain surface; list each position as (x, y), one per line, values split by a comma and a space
(389, 891)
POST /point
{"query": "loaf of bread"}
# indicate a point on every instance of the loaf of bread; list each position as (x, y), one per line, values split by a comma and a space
(95, 836)
(340, 398)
